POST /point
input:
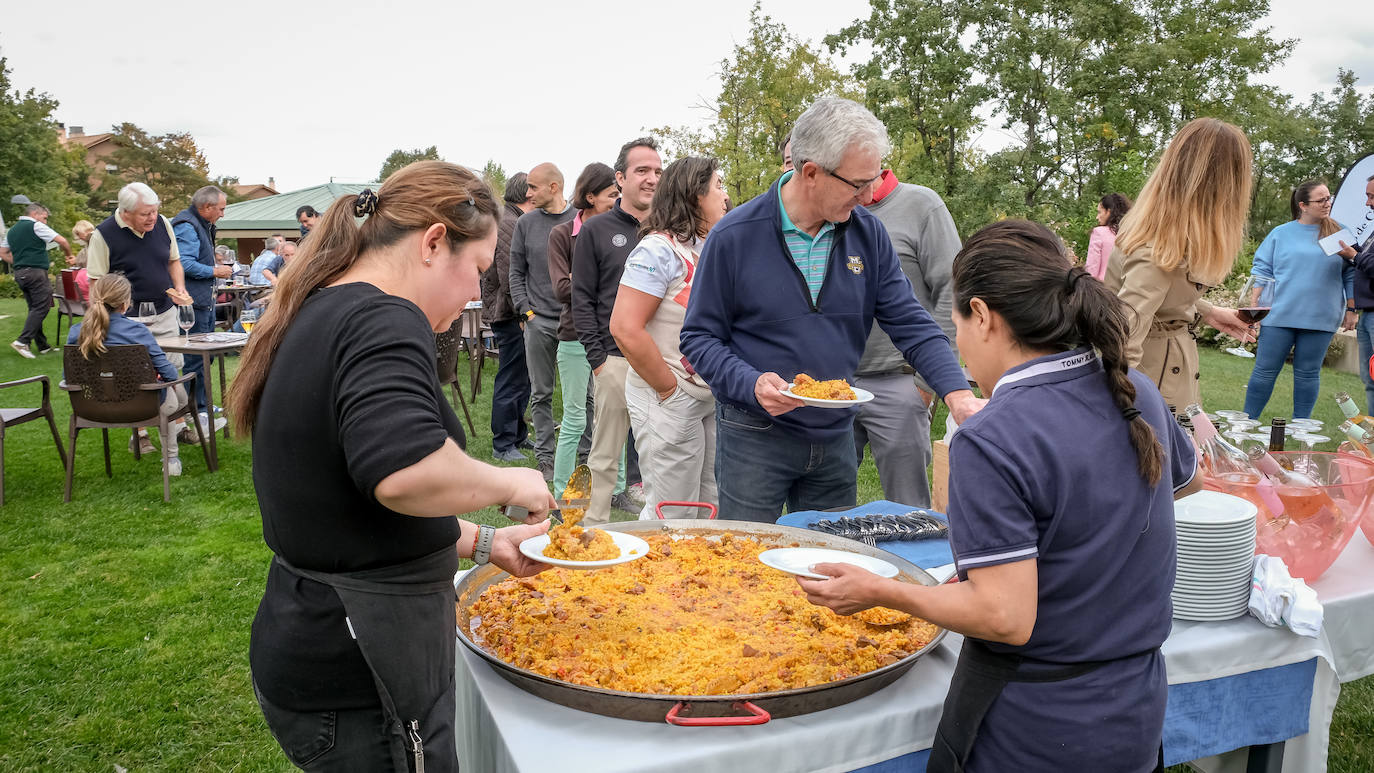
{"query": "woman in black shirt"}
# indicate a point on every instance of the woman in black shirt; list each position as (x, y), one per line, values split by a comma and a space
(358, 476)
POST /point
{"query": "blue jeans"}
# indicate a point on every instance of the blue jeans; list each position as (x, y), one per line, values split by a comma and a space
(205, 323)
(759, 468)
(1364, 333)
(1308, 348)
(510, 392)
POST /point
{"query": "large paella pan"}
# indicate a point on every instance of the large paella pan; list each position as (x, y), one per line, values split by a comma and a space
(739, 708)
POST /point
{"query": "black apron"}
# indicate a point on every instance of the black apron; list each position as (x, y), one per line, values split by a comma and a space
(403, 618)
(979, 678)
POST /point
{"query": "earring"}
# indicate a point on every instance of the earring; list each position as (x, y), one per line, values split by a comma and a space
(427, 261)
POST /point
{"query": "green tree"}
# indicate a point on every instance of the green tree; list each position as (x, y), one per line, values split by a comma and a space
(401, 158)
(769, 80)
(171, 164)
(33, 161)
(495, 175)
(919, 82)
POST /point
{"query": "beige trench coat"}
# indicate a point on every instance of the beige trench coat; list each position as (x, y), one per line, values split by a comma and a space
(1166, 306)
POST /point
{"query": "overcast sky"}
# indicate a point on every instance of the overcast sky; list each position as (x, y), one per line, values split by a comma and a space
(304, 93)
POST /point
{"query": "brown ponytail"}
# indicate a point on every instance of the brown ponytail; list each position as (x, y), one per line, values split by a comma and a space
(1021, 271)
(109, 293)
(412, 199)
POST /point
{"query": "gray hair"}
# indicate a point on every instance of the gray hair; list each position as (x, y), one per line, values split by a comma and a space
(833, 126)
(135, 195)
(206, 197)
(272, 243)
(34, 208)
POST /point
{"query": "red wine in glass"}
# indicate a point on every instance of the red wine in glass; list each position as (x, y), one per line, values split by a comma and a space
(1252, 314)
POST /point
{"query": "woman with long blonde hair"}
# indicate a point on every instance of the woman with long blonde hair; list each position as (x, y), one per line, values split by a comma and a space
(359, 474)
(1180, 239)
(105, 325)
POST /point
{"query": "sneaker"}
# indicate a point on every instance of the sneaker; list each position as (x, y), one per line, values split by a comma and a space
(546, 468)
(23, 350)
(145, 444)
(636, 493)
(174, 467)
(188, 436)
(49, 350)
(509, 455)
(623, 501)
(525, 445)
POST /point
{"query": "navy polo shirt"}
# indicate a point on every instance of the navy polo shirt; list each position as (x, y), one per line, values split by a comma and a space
(1047, 471)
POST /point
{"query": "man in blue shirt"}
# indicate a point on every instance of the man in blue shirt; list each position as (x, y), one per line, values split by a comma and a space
(791, 282)
(194, 228)
(267, 265)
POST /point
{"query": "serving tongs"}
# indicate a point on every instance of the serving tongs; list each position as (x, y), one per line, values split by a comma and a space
(872, 529)
(580, 481)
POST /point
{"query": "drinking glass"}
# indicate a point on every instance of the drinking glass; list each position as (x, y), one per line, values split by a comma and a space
(1256, 298)
(147, 312)
(248, 319)
(186, 319)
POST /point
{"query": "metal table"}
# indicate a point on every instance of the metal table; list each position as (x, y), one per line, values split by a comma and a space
(210, 346)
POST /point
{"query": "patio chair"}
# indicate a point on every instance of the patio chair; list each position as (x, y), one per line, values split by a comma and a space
(119, 389)
(69, 302)
(449, 346)
(9, 417)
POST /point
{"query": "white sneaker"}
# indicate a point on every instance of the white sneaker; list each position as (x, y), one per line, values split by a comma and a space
(203, 424)
(23, 350)
(174, 466)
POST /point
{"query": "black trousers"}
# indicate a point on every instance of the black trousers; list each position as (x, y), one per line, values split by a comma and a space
(37, 289)
(510, 393)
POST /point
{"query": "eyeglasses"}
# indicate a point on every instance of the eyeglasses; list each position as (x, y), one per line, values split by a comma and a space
(858, 187)
(1320, 202)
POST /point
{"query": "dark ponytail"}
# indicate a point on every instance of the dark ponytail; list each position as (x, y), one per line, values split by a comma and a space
(1021, 271)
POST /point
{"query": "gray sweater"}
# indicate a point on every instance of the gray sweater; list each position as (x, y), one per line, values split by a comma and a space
(926, 241)
(530, 284)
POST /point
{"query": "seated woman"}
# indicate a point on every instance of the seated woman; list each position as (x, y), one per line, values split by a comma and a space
(671, 409)
(81, 232)
(105, 325)
(1064, 577)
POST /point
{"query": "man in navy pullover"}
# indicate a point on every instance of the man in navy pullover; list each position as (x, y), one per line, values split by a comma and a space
(790, 283)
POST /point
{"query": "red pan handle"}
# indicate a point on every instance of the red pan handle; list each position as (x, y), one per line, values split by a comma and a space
(757, 716)
(658, 509)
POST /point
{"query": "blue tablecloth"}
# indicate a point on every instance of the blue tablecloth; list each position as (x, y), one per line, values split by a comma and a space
(1202, 718)
(923, 553)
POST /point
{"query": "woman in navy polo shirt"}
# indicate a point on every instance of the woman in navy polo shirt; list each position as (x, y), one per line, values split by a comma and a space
(1061, 521)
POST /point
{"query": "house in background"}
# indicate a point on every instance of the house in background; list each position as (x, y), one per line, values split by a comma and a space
(98, 149)
(251, 222)
(251, 191)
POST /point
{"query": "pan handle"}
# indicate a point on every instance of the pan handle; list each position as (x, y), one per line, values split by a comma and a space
(658, 509)
(757, 716)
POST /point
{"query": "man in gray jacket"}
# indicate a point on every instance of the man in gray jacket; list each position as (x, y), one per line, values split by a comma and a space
(896, 424)
(531, 290)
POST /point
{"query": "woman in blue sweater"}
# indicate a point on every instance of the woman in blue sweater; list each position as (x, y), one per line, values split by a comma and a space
(1312, 290)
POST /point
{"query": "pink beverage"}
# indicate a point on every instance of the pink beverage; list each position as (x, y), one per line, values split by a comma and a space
(1224, 462)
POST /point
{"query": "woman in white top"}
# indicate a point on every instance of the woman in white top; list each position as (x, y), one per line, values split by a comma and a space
(671, 409)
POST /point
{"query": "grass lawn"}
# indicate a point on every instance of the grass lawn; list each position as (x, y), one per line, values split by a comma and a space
(124, 621)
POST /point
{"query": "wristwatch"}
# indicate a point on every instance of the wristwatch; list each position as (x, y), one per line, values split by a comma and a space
(482, 554)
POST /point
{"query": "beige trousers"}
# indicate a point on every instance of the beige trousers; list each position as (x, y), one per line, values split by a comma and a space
(609, 430)
(676, 440)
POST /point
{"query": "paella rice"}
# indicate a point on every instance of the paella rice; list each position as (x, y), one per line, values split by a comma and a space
(570, 542)
(834, 389)
(697, 616)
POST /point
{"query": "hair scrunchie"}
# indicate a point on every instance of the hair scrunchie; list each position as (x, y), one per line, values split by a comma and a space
(365, 204)
(1072, 278)
(1130, 414)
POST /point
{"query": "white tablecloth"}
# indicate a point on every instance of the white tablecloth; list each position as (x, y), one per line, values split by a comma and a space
(504, 728)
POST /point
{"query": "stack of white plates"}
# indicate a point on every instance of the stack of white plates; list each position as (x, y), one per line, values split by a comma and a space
(1216, 556)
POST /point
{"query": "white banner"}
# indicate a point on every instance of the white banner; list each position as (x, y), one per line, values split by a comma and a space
(1349, 208)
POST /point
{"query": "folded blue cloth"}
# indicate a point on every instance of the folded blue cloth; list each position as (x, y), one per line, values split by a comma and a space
(927, 553)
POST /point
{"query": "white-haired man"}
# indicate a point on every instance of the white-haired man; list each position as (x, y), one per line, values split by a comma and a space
(139, 243)
(267, 265)
(790, 283)
(26, 245)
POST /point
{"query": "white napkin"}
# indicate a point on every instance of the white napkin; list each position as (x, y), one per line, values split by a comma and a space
(1277, 598)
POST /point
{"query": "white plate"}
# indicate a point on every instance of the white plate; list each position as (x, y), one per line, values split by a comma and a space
(799, 561)
(860, 396)
(1213, 508)
(631, 547)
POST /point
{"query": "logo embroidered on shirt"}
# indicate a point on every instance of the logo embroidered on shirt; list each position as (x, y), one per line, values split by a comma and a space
(856, 265)
(619, 240)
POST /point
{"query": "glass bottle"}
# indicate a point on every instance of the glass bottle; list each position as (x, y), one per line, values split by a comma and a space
(1277, 430)
(1359, 438)
(1230, 467)
(1352, 412)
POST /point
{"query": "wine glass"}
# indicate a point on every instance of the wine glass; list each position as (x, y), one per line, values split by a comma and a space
(1256, 298)
(186, 319)
(147, 312)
